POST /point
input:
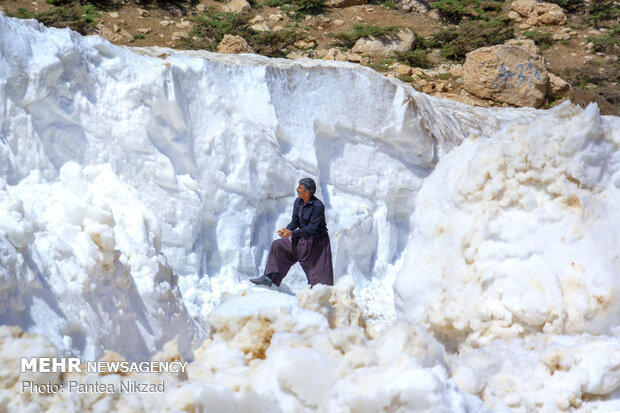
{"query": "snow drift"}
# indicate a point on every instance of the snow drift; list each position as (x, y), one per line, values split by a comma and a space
(141, 188)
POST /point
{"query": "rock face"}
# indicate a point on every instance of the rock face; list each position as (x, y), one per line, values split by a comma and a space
(527, 44)
(508, 73)
(238, 6)
(233, 45)
(557, 85)
(539, 13)
(415, 6)
(385, 45)
(344, 3)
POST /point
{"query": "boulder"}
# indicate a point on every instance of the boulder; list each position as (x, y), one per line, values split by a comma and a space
(238, 6)
(538, 13)
(344, 3)
(335, 54)
(305, 44)
(547, 13)
(260, 27)
(557, 85)
(233, 44)
(525, 43)
(523, 7)
(415, 6)
(456, 70)
(508, 73)
(383, 46)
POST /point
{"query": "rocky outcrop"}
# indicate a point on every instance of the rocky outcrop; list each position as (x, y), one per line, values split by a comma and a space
(536, 13)
(557, 85)
(414, 6)
(506, 73)
(383, 46)
(233, 45)
(238, 6)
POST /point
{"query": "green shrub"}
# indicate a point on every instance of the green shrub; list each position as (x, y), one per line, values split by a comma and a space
(405, 78)
(273, 44)
(348, 39)
(138, 36)
(60, 2)
(607, 43)
(456, 41)
(211, 26)
(453, 11)
(22, 13)
(601, 10)
(308, 6)
(300, 7)
(414, 58)
(542, 40)
(390, 4)
(382, 65)
(570, 6)
(82, 19)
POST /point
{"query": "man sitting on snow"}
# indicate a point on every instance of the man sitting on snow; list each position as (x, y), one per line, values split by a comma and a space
(304, 239)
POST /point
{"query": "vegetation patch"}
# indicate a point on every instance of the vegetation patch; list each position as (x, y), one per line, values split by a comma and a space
(603, 10)
(405, 78)
(390, 4)
(542, 40)
(453, 11)
(609, 42)
(211, 26)
(348, 39)
(570, 6)
(414, 58)
(82, 19)
(300, 7)
(456, 41)
(382, 66)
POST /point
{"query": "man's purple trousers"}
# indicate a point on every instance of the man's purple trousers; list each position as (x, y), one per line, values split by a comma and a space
(313, 252)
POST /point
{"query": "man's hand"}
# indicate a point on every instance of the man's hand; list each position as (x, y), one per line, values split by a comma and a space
(284, 232)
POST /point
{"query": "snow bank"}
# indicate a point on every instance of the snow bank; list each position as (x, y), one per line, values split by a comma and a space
(81, 264)
(523, 238)
(140, 189)
(214, 146)
(514, 262)
(274, 352)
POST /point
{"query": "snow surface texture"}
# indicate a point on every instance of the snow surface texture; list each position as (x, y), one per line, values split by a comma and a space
(213, 146)
(139, 188)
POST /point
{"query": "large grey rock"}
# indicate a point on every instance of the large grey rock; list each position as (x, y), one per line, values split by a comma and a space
(384, 45)
(507, 73)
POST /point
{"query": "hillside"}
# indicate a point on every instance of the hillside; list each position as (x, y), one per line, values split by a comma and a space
(423, 44)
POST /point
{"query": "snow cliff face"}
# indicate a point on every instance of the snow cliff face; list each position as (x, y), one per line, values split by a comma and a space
(213, 147)
(140, 187)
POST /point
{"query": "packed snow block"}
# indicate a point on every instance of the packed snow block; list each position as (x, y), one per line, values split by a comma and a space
(80, 263)
(523, 238)
(214, 145)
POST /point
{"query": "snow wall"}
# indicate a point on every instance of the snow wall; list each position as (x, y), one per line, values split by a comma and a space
(139, 188)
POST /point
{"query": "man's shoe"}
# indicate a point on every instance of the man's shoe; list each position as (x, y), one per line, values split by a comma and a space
(262, 280)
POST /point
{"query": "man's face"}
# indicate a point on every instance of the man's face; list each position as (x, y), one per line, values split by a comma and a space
(300, 191)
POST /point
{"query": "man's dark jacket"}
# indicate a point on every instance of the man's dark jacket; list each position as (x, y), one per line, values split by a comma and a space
(308, 219)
